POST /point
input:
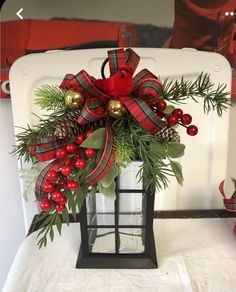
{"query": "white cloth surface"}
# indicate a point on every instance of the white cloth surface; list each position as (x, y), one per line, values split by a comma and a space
(193, 255)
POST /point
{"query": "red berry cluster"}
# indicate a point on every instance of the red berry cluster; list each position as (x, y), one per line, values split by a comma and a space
(58, 180)
(176, 117)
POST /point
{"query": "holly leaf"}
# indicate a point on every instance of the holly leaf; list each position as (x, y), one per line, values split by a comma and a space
(175, 149)
(58, 223)
(159, 149)
(108, 192)
(96, 141)
(110, 176)
(65, 216)
(80, 195)
(177, 169)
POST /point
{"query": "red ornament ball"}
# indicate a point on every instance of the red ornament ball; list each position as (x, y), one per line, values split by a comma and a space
(45, 205)
(89, 152)
(72, 185)
(161, 105)
(48, 187)
(62, 183)
(63, 200)
(88, 133)
(66, 170)
(192, 130)
(56, 196)
(178, 112)
(172, 120)
(79, 139)
(60, 208)
(186, 119)
(80, 163)
(71, 147)
(61, 153)
(52, 175)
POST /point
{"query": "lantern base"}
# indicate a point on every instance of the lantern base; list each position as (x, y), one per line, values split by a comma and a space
(146, 260)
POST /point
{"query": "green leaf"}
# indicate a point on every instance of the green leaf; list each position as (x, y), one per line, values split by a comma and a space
(169, 109)
(159, 149)
(110, 176)
(58, 223)
(175, 149)
(65, 216)
(80, 196)
(96, 140)
(177, 169)
(51, 233)
(108, 192)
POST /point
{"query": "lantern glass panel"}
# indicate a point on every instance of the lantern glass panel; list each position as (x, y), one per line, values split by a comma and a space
(132, 240)
(101, 240)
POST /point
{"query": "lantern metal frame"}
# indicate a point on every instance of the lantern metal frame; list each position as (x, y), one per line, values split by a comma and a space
(117, 260)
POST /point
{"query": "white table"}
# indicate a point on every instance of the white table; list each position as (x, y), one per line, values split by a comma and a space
(193, 255)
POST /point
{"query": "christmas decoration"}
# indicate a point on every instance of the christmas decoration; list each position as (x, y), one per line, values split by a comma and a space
(100, 125)
(115, 109)
(74, 99)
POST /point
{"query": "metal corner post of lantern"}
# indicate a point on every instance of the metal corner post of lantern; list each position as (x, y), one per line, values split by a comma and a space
(119, 233)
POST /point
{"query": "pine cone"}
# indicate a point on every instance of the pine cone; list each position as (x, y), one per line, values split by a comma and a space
(68, 125)
(169, 134)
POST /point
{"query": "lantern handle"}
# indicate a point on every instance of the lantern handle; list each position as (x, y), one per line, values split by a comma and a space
(103, 68)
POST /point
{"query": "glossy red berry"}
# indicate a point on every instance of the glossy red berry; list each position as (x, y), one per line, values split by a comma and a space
(80, 163)
(61, 153)
(52, 175)
(60, 208)
(159, 115)
(45, 205)
(63, 200)
(186, 119)
(48, 187)
(67, 162)
(79, 139)
(62, 183)
(172, 120)
(71, 148)
(192, 130)
(56, 196)
(161, 105)
(89, 133)
(66, 170)
(89, 152)
(72, 185)
(178, 112)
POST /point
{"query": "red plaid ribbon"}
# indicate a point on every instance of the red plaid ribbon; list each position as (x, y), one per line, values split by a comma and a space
(230, 203)
(136, 93)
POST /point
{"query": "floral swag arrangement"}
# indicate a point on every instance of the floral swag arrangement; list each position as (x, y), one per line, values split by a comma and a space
(98, 126)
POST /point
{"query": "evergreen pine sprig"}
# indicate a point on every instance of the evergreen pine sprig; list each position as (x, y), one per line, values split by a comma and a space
(214, 98)
(50, 97)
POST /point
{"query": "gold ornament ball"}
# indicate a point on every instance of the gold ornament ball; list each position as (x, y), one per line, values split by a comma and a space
(74, 99)
(115, 108)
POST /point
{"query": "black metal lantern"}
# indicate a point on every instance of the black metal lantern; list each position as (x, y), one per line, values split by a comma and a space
(118, 233)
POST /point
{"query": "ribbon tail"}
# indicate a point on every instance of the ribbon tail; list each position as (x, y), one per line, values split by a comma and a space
(106, 161)
(143, 114)
(54, 165)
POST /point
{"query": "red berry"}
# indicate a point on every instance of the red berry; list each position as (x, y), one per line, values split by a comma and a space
(89, 133)
(72, 185)
(159, 115)
(56, 196)
(61, 153)
(60, 208)
(178, 112)
(52, 175)
(79, 139)
(192, 130)
(62, 183)
(45, 205)
(63, 200)
(80, 163)
(89, 152)
(66, 170)
(161, 105)
(71, 147)
(186, 119)
(172, 120)
(67, 162)
(48, 187)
